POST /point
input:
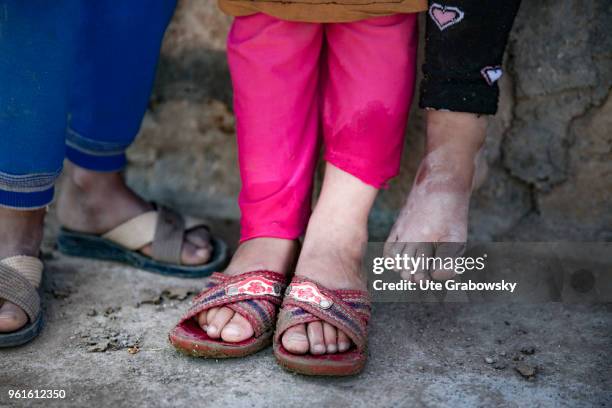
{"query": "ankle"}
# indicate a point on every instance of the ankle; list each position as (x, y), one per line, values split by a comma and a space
(88, 181)
(339, 224)
(447, 170)
(95, 202)
(21, 232)
(463, 129)
(273, 254)
(337, 234)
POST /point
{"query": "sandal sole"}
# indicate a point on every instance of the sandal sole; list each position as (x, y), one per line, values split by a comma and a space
(331, 365)
(24, 335)
(94, 247)
(190, 339)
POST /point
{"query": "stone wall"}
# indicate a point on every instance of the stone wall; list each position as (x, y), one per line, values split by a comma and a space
(549, 149)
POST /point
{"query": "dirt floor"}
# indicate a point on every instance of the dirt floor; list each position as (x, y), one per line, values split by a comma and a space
(105, 344)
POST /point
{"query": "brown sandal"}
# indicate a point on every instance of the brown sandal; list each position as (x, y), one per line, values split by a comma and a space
(255, 295)
(348, 310)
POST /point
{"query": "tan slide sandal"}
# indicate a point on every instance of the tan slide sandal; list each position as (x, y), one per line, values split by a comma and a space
(163, 228)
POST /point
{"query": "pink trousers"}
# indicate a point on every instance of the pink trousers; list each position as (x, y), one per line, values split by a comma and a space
(348, 85)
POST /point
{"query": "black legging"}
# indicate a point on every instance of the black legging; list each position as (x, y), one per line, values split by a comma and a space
(464, 48)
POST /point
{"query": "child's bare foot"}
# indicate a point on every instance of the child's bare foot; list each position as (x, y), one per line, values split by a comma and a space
(331, 255)
(434, 220)
(21, 233)
(272, 254)
(95, 203)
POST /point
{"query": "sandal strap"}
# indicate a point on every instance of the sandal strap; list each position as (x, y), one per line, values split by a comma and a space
(307, 301)
(29, 267)
(169, 235)
(135, 233)
(17, 289)
(255, 295)
(163, 227)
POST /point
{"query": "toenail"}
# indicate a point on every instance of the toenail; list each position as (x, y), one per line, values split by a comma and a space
(231, 329)
(332, 348)
(202, 252)
(343, 346)
(319, 348)
(296, 336)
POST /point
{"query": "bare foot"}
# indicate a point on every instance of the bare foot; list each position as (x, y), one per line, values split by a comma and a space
(331, 255)
(95, 203)
(272, 254)
(434, 220)
(21, 233)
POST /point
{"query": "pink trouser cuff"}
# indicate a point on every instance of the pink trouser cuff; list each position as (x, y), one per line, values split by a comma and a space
(270, 231)
(363, 173)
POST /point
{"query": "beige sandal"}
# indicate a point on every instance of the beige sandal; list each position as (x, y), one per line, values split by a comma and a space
(20, 278)
(163, 228)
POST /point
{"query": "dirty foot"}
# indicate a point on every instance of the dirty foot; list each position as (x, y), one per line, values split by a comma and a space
(272, 254)
(95, 203)
(333, 248)
(21, 233)
(434, 219)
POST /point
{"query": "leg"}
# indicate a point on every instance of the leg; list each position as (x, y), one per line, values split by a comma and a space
(434, 219)
(365, 114)
(37, 46)
(463, 84)
(275, 72)
(117, 56)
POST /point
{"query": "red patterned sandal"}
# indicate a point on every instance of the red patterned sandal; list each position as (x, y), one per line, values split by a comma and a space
(255, 295)
(347, 310)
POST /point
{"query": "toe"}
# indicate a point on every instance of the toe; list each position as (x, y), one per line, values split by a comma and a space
(206, 316)
(218, 322)
(295, 339)
(210, 313)
(344, 343)
(238, 329)
(442, 274)
(202, 320)
(393, 248)
(408, 249)
(194, 255)
(316, 338)
(12, 317)
(424, 250)
(196, 250)
(447, 250)
(199, 237)
(331, 338)
(420, 276)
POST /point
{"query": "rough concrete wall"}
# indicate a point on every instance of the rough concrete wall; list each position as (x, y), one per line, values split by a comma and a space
(549, 149)
(559, 143)
(185, 154)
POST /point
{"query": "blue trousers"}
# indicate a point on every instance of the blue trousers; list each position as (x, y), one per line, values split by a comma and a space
(75, 80)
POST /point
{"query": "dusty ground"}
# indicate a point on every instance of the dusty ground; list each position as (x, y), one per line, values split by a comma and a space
(107, 348)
